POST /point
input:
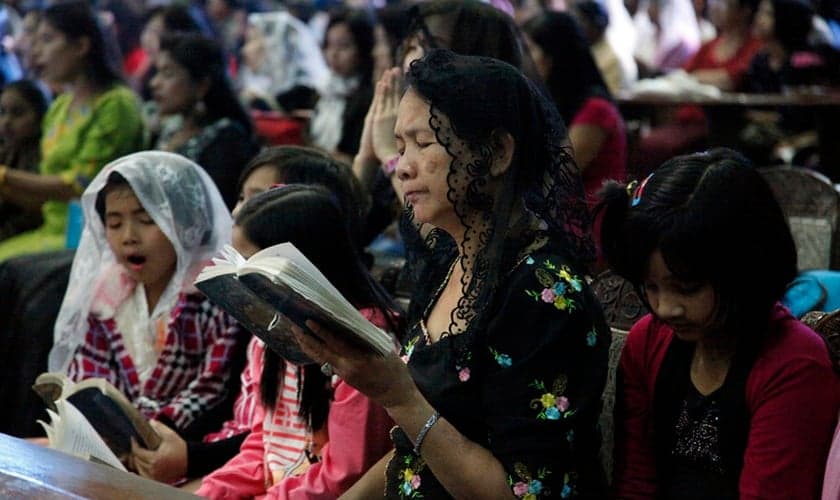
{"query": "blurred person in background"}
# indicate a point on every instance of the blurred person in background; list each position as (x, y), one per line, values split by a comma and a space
(204, 119)
(95, 120)
(339, 116)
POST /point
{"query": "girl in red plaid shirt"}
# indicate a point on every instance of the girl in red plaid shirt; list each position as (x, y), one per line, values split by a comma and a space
(131, 314)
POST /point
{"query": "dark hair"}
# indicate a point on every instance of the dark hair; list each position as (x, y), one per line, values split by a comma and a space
(309, 217)
(115, 181)
(792, 23)
(394, 20)
(471, 28)
(574, 75)
(176, 19)
(477, 115)
(203, 58)
(32, 94)
(302, 165)
(751, 5)
(594, 13)
(127, 21)
(361, 28)
(75, 19)
(481, 111)
(716, 221)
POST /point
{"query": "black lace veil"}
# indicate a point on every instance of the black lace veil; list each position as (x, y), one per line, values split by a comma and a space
(472, 101)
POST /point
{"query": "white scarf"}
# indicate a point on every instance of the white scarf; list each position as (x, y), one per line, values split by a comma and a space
(328, 121)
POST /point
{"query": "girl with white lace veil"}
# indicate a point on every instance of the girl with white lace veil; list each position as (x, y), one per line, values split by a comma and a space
(130, 314)
(280, 54)
(498, 390)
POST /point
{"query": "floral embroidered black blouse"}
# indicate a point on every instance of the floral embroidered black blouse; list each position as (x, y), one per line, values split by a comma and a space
(528, 388)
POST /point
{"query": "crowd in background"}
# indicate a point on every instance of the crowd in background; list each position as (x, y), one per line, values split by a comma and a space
(316, 64)
(483, 144)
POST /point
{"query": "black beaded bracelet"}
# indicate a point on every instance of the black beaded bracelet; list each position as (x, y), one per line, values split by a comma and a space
(425, 430)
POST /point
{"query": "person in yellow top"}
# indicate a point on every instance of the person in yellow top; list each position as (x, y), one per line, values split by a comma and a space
(95, 120)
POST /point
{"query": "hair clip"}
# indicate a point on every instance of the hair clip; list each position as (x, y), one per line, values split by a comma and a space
(637, 196)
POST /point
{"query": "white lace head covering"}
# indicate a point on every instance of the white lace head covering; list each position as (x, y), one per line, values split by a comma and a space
(187, 207)
(292, 56)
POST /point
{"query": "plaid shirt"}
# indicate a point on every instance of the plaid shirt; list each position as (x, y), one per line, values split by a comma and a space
(191, 371)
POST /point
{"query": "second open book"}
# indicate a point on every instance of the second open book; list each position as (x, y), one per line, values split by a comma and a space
(278, 285)
(92, 419)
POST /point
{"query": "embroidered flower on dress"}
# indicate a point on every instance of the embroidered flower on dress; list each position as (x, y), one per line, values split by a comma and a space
(502, 359)
(592, 338)
(568, 486)
(553, 405)
(527, 486)
(559, 284)
(411, 477)
(408, 350)
(548, 295)
(462, 368)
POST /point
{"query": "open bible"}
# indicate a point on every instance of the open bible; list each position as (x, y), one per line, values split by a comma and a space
(92, 419)
(279, 285)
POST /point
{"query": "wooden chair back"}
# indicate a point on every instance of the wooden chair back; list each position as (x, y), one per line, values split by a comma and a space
(827, 324)
(812, 207)
(622, 308)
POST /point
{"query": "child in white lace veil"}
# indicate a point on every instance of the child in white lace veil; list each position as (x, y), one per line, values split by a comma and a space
(280, 54)
(180, 198)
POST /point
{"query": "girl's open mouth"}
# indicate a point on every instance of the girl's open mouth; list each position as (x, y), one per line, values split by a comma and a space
(135, 262)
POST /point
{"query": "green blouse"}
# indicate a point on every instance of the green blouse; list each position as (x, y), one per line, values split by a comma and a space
(77, 142)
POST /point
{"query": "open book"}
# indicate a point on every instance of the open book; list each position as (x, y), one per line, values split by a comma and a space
(277, 285)
(92, 419)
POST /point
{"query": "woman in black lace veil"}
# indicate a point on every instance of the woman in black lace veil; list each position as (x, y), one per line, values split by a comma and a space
(507, 351)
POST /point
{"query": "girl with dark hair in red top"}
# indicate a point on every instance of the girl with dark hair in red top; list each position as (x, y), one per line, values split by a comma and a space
(721, 392)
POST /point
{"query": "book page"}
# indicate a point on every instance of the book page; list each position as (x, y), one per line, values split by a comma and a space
(298, 278)
(296, 288)
(287, 251)
(229, 261)
(299, 301)
(70, 432)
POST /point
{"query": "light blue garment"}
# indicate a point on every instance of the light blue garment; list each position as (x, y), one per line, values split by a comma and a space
(813, 291)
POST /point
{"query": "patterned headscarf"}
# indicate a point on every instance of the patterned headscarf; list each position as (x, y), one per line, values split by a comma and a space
(540, 201)
(184, 203)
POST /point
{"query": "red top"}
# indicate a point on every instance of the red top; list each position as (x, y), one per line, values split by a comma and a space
(192, 368)
(736, 66)
(792, 396)
(611, 160)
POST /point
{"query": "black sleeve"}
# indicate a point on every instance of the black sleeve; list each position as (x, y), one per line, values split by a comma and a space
(354, 119)
(546, 362)
(225, 157)
(203, 458)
